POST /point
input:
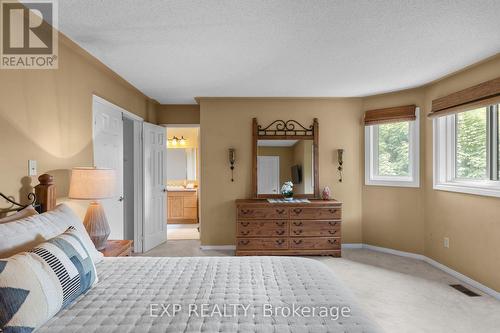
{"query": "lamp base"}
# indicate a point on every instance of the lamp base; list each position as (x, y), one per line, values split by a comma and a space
(97, 225)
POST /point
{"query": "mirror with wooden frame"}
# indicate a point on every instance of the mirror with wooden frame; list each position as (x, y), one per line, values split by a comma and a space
(285, 151)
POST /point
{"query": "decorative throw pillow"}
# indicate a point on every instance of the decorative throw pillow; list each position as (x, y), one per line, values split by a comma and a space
(25, 212)
(26, 233)
(35, 285)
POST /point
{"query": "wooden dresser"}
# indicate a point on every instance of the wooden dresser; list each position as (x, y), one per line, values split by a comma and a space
(265, 228)
(182, 207)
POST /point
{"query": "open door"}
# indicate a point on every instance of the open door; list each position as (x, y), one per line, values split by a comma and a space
(155, 203)
(108, 153)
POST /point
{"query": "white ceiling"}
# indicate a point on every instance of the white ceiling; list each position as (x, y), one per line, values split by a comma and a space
(176, 50)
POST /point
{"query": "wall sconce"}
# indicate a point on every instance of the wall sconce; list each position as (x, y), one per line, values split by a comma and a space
(182, 141)
(232, 160)
(340, 157)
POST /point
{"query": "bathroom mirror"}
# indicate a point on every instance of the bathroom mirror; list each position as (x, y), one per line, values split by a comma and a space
(285, 151)
(181, 164)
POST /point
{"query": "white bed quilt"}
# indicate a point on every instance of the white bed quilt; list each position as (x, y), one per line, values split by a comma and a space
(133, 293)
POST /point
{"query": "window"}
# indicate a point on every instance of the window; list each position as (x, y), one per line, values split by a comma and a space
(392, 154)
(466, 152)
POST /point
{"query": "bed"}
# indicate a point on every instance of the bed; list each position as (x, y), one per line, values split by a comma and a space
(131, 292)
(201, 294)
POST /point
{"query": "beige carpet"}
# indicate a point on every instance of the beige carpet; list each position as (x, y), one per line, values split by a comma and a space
(402, 295)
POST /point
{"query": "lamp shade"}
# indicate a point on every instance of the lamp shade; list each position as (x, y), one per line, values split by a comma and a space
(92, 183)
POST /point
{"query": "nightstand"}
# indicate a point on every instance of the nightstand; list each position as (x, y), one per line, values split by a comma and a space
(117, 248)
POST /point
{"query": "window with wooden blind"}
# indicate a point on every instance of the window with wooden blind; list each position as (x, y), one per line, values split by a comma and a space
(466, 140)
(466, 150)
(392, 146)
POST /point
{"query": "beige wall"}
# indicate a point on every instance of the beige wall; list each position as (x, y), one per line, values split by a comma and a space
(178, 114)
(471, 222)
(227, 123)
(417, 220)
(393, 217)
(46, 115)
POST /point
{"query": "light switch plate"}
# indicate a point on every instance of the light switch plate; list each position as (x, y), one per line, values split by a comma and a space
(32, 168)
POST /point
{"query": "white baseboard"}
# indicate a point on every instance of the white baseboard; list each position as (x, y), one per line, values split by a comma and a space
(432, 262)
(395, 252)
(217, 247)
(352, 245)
(463, 278)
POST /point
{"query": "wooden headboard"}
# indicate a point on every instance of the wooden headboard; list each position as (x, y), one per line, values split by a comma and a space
(45, 192)
(44, 198)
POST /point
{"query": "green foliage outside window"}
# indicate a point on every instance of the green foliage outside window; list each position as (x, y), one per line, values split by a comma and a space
(394, 149)
(471, 151)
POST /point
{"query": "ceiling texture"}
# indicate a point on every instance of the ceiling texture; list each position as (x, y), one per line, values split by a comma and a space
(174, 51)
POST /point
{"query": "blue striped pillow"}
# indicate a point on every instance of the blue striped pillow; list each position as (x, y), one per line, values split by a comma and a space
(35, 285)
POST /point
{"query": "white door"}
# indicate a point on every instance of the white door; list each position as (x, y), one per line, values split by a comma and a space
(268, 169)
(155, 201)
(108, 153)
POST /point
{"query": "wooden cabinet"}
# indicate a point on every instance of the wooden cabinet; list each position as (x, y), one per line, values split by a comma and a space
(264, 228)
(182, 207)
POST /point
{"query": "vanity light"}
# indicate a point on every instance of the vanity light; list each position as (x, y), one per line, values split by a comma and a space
(182, 141)
(232, 161)
(340, 157)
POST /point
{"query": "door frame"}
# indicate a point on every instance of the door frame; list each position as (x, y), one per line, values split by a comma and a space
(198, 165)
(138, 168)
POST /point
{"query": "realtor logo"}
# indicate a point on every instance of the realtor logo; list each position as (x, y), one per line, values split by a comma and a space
(29, 34)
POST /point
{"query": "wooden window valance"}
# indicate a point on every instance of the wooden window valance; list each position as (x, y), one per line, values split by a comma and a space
(390, 115)
(480, 95)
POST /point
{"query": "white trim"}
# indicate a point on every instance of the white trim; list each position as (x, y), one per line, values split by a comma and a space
(444, 163)
(352, 246)
(432, 262)
(394, 252)
(217, 247)
(125, 113)
(414, 151)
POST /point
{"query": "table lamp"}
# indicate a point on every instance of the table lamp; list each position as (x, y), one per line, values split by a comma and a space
(94, 184)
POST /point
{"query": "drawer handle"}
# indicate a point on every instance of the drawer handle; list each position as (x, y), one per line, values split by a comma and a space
(332, 241)
(332, 232)
(332, 223)
(297, 232)
(280, 232)
(331, 210)
(280, 241)
(246, 211)
(280, 211)
(297, 242)
(297, 210)
(297, 224)
(245, 224)
(245, 232)
(244, 242)
(280, 224)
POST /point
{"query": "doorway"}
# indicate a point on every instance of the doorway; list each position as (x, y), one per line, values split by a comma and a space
(136, 151)
(183, 170)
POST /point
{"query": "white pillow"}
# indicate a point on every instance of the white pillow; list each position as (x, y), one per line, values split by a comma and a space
(35, 285)
(25, 212)
(24, 234)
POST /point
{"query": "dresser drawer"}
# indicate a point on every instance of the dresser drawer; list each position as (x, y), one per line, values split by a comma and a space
(315, 243)
(308, 228)
(266, 228)
(333, 213)
(262, 244)
(262, 212)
